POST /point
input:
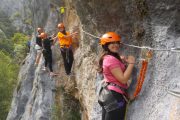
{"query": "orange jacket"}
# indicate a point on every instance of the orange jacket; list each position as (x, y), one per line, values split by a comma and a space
(64, 42)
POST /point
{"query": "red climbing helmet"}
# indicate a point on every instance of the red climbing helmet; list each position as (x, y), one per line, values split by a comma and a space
(43, 35)
(60, 25)
(109, 37)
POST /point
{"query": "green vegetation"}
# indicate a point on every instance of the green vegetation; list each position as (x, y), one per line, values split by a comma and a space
(57, 107)
(28, 21)
(6, 26)
(13, 50)
(66, 106)
(8, 79)
(15, 15)
(20, 48)
(6, 45)
(71, 107)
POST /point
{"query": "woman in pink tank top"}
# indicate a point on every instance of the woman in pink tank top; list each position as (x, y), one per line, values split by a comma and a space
(116, 76)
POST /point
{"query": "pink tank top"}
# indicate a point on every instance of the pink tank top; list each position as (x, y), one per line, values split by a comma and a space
(110, 62)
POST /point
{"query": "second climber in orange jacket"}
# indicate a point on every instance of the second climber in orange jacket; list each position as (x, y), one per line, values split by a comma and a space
(65, 43)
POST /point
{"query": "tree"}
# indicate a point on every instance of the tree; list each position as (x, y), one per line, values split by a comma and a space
(8, 79)
(20, 46)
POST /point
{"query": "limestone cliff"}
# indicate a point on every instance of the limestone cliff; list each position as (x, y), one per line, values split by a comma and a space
(19, 13)
(139, 22)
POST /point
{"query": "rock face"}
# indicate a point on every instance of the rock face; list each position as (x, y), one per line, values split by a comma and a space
(19, 13)
(139, 22)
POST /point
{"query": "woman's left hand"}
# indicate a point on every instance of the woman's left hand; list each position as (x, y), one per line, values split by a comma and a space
(131, 59)
(124, 59)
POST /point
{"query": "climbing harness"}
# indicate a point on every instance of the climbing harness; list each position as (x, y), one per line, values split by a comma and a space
(106, 98)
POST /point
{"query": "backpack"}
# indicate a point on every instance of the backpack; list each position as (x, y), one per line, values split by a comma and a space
(105, 97)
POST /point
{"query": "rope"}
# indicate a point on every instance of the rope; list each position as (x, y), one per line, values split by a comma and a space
(141, 78)
(177, 94)
(154, 49)
(90, 34)
(140, 47)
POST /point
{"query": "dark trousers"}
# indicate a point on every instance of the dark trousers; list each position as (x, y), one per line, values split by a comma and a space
(48, 59)
(118, 114)
(68, 59)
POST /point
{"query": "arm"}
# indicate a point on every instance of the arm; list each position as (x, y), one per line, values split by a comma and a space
(54, 39)
(51, 40)
(69, 36)
(120, 76)
(124, 77)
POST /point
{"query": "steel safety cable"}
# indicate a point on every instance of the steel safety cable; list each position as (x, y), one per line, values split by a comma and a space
(140, 47)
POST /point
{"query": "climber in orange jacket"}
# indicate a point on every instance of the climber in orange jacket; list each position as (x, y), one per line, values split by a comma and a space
(116, 75)
(65, 43)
